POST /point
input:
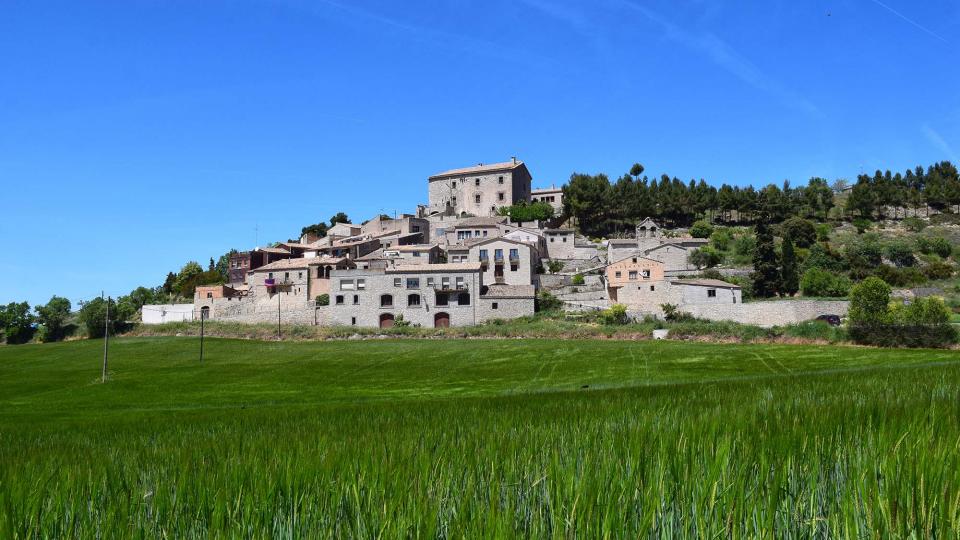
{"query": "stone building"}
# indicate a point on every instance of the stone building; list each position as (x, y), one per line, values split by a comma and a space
(299, 280)
(633, 271)
(436, 295)
(409, 254)
(475, 228)
(241, 263)
(551, 195)
(479, 190)
(561, 243)
(505, 261)
(404, 225)
(648, 297)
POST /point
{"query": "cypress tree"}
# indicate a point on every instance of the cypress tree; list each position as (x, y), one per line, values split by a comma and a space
(766, 274)
(789, 274)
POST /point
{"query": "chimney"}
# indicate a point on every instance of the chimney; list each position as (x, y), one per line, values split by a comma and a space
(514, 158)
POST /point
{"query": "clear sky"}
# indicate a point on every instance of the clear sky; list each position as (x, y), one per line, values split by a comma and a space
(138, 135)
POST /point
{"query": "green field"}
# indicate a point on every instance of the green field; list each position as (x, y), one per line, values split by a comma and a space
(478, 438)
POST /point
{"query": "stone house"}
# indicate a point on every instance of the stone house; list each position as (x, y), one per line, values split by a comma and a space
(649, 297)
(633, 271)
(561, 243)
(674, 256)
(534, 237)
(241, 263)
(298, 280)
(405, 225)
(551, 195)
(343, 230)
(479, 190)
(436, 295)
(475, 228)
(351, 248)
(505, 261)
(409, 254)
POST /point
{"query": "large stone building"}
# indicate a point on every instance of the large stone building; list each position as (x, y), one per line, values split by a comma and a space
(436, 295)
(479, 190)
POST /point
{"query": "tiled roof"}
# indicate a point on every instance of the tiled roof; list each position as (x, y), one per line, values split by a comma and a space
(414, 247)
(477, 169)
(510, 291)
(707, 283)
(445, 267)
(635, 257)
(299, 262)
(479, 222)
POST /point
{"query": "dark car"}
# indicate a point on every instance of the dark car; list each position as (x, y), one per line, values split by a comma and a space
(832, 320)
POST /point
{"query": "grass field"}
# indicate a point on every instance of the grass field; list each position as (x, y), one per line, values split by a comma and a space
(478, 438)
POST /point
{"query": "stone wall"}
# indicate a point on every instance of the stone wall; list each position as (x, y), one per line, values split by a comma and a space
(771, 313)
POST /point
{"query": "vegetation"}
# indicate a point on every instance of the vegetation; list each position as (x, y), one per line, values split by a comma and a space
(824, 283)
(475, 439)
(16, 322)
(925, 322)
(52, 318)
(577, 279)
(524, 212)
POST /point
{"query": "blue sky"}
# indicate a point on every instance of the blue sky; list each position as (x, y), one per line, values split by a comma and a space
(135, 136)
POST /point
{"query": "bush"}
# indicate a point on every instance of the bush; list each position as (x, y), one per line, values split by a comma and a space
(938, 270)
(868, 303)
(914, 224)
(721, 239)
(16, 322)
(701, 229)
(822, 256)
(820, 282)
(936, 246)
(744, 246)
(705, 257)
(900, 253)
(615, 314)
(900, 277)
(547, 302)
(672, 313)
(323, 300)
(863, 225)
(93, 314)
(801, 231)
(823, 232)
(925, 322)
(554, 266)
(577, 279)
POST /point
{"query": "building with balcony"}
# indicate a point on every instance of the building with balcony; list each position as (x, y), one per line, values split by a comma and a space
(479, 190)
(505, 261)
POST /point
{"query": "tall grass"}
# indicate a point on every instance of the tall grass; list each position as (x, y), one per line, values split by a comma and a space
(775, 442)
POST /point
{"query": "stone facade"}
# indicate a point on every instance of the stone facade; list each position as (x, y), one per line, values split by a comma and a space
(633, 270)
(770, 313)
(505, 261)
(647, 297)
(561, 243)
(552, 196)
(479, 190)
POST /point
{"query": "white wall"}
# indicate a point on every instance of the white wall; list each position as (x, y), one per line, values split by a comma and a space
(164, 313)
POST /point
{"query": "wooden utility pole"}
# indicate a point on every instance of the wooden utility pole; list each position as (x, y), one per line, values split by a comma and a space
(106, 340)
(278, 314)
(201, 335)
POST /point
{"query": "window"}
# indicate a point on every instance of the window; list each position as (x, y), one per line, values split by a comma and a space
(453, 185)
(500, 196)
(500, 180)
(319, 272)
(634, 260)
(353, 321)
(413, 300)
(476, 182)
(618, 274)
(460, 283)
(551, 239)
(430, 282)
(498, 255)
(416, 253)
(386, 300)
(632, 275)
(711, 293)
(514, 254)
(652, 288)
(484, 234)
(356, 299)
(299, 275)
(286, 275)
(564, 239)
(346, 284)
(463, 299)
(442, 299)
(476, 198)
(494, 306)
(413, 283)
(339, 300)
(484, 255)
(646, 274)
(397, 282)
(445, 283)
(414, 228)
(209, 295)
(270, 275)
(361, 284)
(514, 267)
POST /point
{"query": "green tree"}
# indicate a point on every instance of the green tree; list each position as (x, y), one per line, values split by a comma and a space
(789, 273)
(701, 229)
(339, 217)
(900, 253)
(869, 301)
(820, 282)
(317, 229)
(802, 232)
(523, 212)
(93, 315)
(16, 322)
(223, 264)
(53, 317)
(766, 274)
(705, 257)
(586, 198)
(187, 279)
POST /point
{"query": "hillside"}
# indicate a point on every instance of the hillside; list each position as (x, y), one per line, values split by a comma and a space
(476, 438)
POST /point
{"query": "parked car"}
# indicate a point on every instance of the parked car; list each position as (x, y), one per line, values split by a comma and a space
(832, 320)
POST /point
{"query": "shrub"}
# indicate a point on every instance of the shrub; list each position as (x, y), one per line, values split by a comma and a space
(925, 322)
(823, 232)
(822, 256)
(937, 246)
(862, 225)
(400, 322)
(93, 314)
(705, 257)
(900, 253)
(744, 246)
(914, 224)
(868, 302)
(938, 270)
(900, 277)
(801, 231)
(721, 239)
(863, 255)
(577, 279)
(547, 302)
(323, 300)
(615, 314)
(554, 266)
(701, 229)
(820, 282)
(672, 313)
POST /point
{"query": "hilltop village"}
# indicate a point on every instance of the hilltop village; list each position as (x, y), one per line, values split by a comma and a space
(457, 262)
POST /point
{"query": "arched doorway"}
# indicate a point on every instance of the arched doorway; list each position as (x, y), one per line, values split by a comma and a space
(205, 313)
(441, 320)
(386, 320)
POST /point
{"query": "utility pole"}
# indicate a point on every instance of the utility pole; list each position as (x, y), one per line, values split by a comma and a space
(106, 340)
(278, 314)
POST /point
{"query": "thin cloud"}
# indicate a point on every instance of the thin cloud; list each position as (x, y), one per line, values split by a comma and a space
(939, 142)
(911, 21)
(726, 57)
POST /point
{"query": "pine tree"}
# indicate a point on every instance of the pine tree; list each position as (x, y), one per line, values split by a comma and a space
(766, 274)
(789, 274)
